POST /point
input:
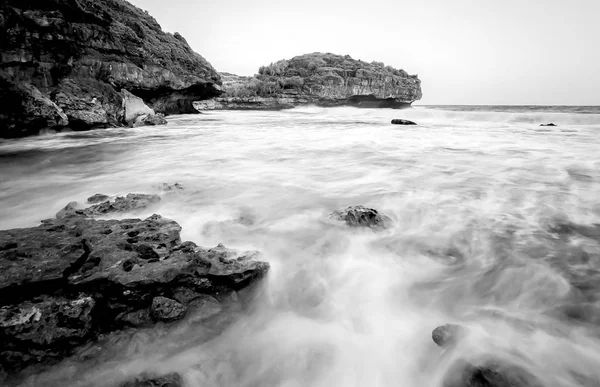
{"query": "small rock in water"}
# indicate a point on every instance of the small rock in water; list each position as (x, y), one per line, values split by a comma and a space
(166, 309)
(448, 335)
(97, 198)
(550, 124)
(489, 374)
(147, 380)
(359, 216)
(400, 121)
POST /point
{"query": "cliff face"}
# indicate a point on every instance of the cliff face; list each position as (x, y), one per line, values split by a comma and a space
(322, 79)
(65, 63)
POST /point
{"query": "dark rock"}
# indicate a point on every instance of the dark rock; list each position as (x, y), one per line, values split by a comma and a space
(166, 309)
(448, 335)
(550, 124)
(489, 374)
(25, 110)
(49, 326)
(43, 270)
(97, 198)
(399, 121)
(320, 79)
(129, 203)
(149, 380)
(64, 63)
(137, 113)
(359, 216)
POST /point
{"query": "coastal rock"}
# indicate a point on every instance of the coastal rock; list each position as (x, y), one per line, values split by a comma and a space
(26, 111)
(97, 198)
(550, 124)
(64, 63)
(399, 121)
(137, 113)
(486, 372)
(43, 327)
(359, 216)
(131, 271)
(320, 79)
(489, 374)
(129, 203)
(149, 380)
(166, 309)
(448, 335)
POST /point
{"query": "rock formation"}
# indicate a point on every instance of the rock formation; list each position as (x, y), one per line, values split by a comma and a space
(360, 216)
(74, 277)
(321, 79)
(400, 121)
(66, 62)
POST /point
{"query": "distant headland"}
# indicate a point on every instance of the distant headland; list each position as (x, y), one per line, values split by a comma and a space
(86, 65)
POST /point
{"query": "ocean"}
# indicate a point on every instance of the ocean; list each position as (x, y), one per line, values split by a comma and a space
(496, 227)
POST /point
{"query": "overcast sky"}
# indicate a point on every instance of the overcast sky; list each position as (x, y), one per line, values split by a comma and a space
(465, 51)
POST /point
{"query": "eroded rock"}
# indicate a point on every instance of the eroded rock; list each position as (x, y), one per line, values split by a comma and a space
(448, 335)
(359, 216)
(166, 309)
(132, 271)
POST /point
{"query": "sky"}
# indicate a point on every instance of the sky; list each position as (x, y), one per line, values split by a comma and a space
(486, 52)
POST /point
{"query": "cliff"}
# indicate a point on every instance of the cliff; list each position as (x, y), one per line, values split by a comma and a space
(67, 63)
(321, 79)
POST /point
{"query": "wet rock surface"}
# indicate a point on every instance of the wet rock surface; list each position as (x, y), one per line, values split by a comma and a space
(71, 278)
(399, 121)
(129, 203)
(360, 216)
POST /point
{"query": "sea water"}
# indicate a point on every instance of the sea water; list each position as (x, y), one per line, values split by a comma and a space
(478, 197)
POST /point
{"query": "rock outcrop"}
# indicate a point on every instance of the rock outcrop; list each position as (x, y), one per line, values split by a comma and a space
(66, 62)
(359, 216)
(74, 277)
(320, 79)
(400, 121)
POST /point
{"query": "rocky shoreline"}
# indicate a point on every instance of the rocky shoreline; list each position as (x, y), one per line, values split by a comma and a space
(73, 278)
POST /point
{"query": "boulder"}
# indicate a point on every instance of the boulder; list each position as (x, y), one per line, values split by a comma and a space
(359, 216)
(137, 113)
(448, 335)
(549, 124)
(150, 380)
(400, 121)
(132, 271)
(166, 309)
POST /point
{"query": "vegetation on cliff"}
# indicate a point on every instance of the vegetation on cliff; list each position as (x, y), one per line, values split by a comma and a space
(326, 76)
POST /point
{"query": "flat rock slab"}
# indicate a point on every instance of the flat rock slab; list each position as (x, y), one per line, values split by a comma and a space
(71, 278)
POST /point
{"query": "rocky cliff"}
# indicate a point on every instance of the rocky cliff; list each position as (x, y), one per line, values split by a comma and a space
(66, 63)
(321, 79)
